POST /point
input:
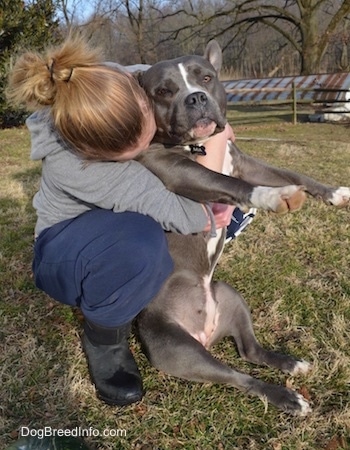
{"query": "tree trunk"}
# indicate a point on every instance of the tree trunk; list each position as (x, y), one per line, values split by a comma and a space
(311, 53)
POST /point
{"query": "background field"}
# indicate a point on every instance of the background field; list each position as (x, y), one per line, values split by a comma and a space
(293, 270)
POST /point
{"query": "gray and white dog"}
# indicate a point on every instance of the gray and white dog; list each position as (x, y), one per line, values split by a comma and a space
(191, 312)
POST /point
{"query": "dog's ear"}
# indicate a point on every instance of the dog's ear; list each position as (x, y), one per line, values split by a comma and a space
(138, 75)
(213, 54)
(137, 71)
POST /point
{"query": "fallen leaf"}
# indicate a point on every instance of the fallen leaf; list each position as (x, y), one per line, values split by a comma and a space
(337, 442)
(305, 393)
(140, 409)
(14, 434)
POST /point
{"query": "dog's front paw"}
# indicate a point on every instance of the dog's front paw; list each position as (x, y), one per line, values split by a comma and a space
(279, 199)
(292, 198)
(340, 197)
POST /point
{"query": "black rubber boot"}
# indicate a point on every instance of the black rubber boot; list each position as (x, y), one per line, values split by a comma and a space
(112, 367)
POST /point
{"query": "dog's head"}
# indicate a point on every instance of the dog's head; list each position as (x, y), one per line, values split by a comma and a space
(189, 100)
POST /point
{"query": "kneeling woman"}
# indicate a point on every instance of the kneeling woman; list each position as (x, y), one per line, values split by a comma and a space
(99, 236)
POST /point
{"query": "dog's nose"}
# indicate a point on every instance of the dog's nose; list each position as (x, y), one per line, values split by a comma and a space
(196, 99)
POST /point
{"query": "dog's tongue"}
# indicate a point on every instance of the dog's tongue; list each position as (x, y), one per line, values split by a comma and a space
(204, 128)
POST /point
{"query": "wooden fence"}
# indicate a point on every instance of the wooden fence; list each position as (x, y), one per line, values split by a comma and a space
(295, 97)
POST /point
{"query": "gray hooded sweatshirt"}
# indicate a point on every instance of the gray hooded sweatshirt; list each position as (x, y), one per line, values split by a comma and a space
(69, 186)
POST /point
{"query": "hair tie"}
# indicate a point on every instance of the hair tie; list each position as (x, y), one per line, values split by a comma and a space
(51, 69)
(70, 75)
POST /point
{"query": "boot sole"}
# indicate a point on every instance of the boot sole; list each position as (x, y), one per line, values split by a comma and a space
(114, 402)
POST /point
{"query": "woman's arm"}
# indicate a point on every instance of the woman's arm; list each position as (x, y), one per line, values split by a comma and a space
(214, 159)
(216, 149)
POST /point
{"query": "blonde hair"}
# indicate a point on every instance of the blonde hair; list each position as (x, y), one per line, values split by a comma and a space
(98, 109)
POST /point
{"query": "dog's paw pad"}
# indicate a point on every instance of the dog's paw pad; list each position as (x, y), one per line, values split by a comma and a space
(292, 198)
(278, 199)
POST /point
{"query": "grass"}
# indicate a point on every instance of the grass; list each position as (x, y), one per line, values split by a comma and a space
(294, 271)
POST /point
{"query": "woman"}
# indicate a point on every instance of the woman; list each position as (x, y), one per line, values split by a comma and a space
(99, 240)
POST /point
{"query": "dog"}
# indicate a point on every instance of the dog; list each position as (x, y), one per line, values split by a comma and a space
(191, 312)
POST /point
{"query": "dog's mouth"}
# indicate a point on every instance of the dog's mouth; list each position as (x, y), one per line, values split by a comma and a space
(203, 128)
(200, 129)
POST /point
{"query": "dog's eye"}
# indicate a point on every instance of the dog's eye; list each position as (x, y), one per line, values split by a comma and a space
(206, 79)
(163, 92)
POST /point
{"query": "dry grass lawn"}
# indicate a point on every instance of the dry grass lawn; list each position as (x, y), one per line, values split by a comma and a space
(294, 271)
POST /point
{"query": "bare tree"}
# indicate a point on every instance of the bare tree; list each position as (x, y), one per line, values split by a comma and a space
(74, 12)
(340, 54)
(306, 25)
(259, 37)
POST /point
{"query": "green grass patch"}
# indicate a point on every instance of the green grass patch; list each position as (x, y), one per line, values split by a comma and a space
(293, 270)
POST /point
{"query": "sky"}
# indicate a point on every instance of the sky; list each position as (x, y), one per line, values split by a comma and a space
(83, 8)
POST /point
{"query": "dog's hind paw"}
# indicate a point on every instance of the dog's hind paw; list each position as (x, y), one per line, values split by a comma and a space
(294, 403)
(304, 405)
(288, 400)
(301, 367)
(340, 197)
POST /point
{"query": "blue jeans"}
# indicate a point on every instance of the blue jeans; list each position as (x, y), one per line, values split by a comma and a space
(109, 264)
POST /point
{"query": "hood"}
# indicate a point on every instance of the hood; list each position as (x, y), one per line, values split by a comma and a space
(44, 140)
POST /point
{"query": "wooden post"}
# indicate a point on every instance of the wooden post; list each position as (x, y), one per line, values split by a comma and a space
(295, 120)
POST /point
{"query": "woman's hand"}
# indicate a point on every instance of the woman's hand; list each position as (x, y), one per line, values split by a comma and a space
(222, 215)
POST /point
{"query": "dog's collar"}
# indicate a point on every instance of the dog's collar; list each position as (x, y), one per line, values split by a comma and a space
(197, 149)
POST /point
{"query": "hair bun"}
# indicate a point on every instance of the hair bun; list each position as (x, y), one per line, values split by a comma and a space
(30, 82)
(36, 80)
